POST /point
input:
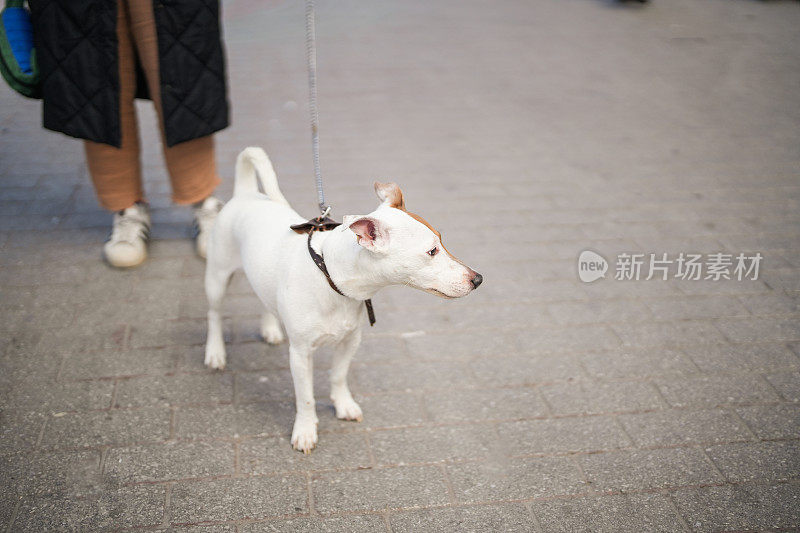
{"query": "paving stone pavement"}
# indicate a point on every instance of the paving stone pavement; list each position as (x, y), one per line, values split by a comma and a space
(525, 131)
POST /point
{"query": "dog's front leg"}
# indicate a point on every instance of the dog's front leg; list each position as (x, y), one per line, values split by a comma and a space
(346, 406)
(304, 434)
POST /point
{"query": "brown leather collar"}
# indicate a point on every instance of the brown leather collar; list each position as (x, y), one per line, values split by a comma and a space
(315, 224)
(326, 224)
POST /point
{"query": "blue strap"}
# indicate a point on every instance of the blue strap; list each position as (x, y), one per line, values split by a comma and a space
(19, 32)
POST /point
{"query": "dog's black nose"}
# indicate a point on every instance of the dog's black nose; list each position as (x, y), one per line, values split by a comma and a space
(477, 280)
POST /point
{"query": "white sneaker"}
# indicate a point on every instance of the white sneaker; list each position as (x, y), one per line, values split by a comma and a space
(204, 216)
(127, 246)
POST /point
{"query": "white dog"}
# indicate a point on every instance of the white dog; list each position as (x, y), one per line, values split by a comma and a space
(389, 246)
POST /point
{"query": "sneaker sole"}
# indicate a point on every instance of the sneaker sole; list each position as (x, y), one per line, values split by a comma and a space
(125, 265)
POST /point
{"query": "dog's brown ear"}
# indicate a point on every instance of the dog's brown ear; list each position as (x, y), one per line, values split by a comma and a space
(390, 194)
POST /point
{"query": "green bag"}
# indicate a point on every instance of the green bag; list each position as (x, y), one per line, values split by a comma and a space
(17, 55)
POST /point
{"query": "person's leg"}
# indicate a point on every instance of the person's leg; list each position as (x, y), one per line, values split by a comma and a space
(116, 172)
(191, 164)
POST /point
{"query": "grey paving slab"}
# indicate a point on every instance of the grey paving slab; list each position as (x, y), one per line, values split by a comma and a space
(666, 428)
(36, 275)
(388, 410)
(171, 248)
(16, 297)
(164, 333)
(676, 333)
(107, 336)
(334, 524)
(412, 376)
(231, 421)
(772, 304)
(525, 369)
(759, 460)
(99, 428)
(176, 389)
(787, 384)
(173, 460)
(111, 363)
(123, 507)
(588, 397)
(759, 329)
(434, 444)
(73, 474)
(740, 507)
(206, 528)
(646, 469)
(99, 289)
(20, 430)
(176, 289)
(484, 404)
(647, 362)
(511, 518)
(709, 391)
(772, 421)
(518, 478)
(48, 317)
(620, 290)
(384, 488)
(90, 313)
(562, 435)
(535, 290)
(634, 513)
(697, 307)
(718, 358)
(507, 315)
(275, 454)
(698, 288)
(232, 499)
(575, 338)
(8, 506)
(381, 349)
(597, 311)
(59, 397)
(195, 304)
(432, 346)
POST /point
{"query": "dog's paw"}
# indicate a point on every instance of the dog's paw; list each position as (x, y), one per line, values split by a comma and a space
(271, 331)
(273, 335)
(215, 356)
(304, 436)
(348, 409)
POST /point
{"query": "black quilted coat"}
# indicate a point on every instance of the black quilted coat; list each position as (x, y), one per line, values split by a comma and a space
(76, 47)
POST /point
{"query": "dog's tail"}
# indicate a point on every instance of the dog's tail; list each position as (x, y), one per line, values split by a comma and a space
(254, 160)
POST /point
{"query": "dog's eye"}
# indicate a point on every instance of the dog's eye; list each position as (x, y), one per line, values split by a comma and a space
(433, 251)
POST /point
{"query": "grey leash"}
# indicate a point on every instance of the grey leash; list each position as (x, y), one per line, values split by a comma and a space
(321, 223)
(311, 57)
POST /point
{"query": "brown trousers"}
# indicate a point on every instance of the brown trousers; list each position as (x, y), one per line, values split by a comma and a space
(117, 172)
